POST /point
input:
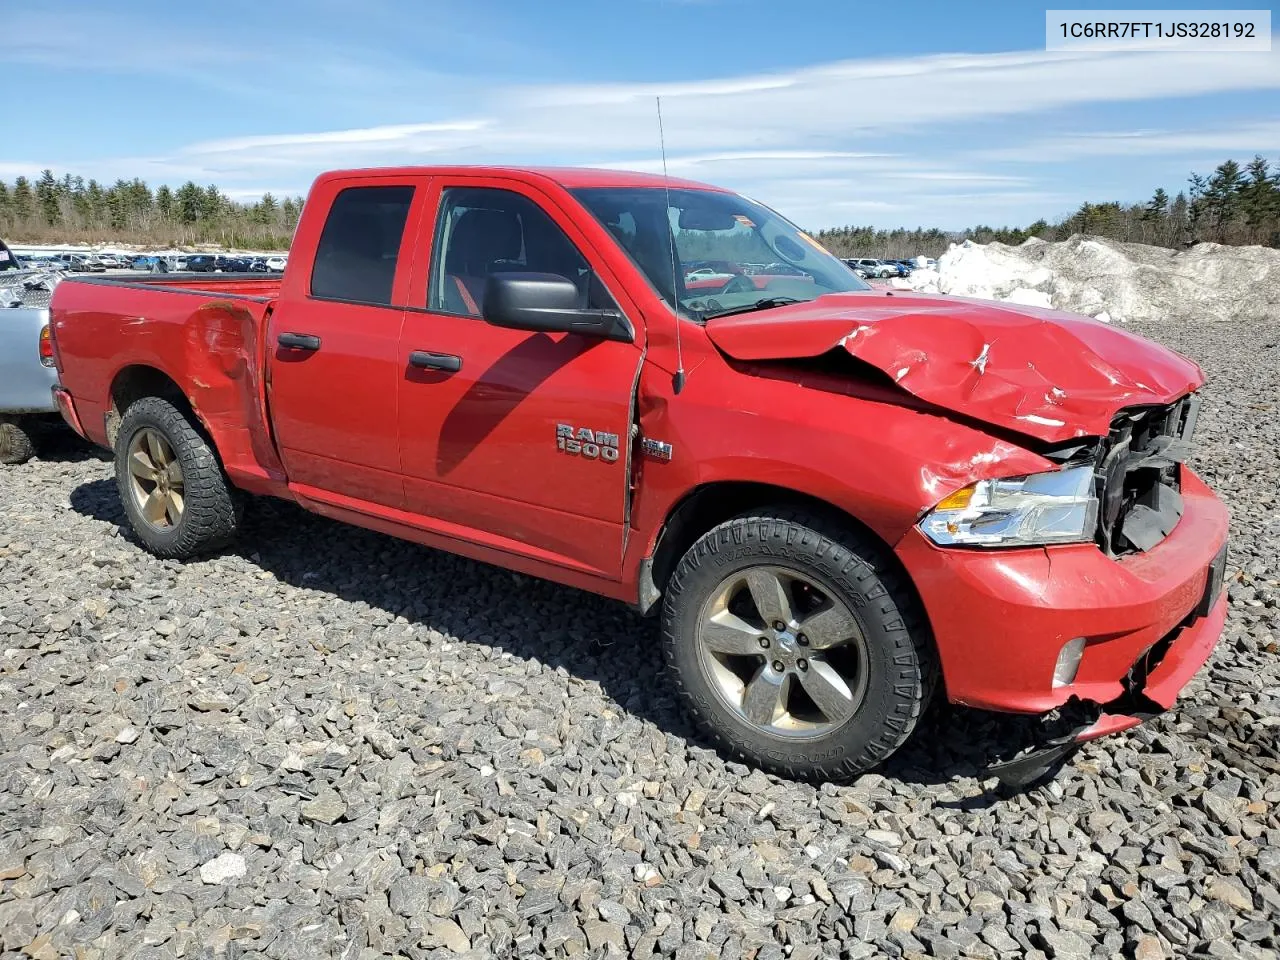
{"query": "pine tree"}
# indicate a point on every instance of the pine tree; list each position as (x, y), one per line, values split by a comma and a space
(1177, 222)
(211, 204)
(1260, 198)
(190, 199)
(1157, 206)
(95, 203)
(267, 209)
(23, 203)
(164, 202)
(47, 198)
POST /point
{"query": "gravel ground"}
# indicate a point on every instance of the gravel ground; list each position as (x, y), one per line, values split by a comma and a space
(331, 743)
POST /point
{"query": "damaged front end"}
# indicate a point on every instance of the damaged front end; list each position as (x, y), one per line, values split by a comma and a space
(1137, 472)
(1149, 688)
(1141, 475)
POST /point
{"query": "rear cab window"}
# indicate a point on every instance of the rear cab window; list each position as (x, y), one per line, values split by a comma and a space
(359, 247)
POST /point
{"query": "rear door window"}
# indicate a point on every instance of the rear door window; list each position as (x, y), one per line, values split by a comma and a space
(360, 245)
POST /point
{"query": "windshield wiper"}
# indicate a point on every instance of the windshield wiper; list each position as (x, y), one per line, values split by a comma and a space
(766, 304)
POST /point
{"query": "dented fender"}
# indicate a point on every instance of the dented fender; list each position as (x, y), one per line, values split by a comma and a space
(209, 345)
(225, 366)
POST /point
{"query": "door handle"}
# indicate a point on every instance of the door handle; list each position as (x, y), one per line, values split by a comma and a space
(424, 360)
(298, 341)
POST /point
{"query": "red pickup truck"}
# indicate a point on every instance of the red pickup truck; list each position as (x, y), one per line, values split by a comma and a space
(838, 499)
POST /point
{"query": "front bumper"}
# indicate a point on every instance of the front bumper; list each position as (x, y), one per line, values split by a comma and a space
(1149, 620)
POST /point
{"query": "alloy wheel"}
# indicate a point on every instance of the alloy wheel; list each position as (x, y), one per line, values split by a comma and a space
(155, 478)
(782, 652)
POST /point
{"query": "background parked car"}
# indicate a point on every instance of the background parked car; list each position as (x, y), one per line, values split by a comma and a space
(872, 267)
(201, 263)
(150, 264)
(276, 263)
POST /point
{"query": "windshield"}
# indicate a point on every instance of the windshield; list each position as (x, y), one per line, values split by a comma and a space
(731, 253)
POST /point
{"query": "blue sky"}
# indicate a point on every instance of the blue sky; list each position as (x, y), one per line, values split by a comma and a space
(897, 113)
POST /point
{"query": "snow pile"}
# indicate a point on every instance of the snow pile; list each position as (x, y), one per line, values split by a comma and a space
(1114, 281)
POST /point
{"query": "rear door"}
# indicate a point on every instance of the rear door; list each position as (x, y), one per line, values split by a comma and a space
(518, 440)
(333, 342)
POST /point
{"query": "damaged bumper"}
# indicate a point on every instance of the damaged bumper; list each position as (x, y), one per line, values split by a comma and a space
(1142, 624)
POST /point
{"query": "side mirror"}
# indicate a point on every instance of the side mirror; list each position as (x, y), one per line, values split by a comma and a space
(548, 303)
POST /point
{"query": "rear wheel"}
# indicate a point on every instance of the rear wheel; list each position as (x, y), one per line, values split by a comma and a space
(15, 442)
(174, 492)
(798, 645)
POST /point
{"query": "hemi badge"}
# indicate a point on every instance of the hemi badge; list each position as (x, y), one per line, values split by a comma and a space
(657, 449)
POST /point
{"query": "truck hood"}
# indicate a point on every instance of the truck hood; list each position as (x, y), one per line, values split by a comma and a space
(1044, 373)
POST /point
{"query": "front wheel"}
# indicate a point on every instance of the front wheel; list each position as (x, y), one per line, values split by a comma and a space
(798, 645)
(174, 492)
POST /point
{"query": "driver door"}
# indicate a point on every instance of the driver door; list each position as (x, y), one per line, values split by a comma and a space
(518, 440)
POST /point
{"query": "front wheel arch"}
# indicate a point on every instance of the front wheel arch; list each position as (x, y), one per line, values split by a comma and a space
(711, 504)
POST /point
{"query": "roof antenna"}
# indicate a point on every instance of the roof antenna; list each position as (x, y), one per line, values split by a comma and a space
(677, 381)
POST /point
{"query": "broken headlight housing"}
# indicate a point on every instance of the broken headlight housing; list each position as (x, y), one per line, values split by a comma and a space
(1043, 508)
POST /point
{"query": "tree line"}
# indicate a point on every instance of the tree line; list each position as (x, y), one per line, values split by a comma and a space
(72, 210)
(1233, 205)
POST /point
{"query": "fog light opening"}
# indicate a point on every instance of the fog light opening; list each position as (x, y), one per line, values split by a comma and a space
(1068, 665)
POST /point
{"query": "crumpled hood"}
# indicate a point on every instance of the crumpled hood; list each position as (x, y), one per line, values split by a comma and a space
(1048, 374)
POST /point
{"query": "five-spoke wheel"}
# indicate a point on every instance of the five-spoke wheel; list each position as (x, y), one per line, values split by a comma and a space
(785, 654)
(156, 475)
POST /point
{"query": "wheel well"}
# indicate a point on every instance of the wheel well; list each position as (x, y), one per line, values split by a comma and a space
(132, 384)
(712, 504)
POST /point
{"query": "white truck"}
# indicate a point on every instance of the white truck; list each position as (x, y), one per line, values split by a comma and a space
(27, 373)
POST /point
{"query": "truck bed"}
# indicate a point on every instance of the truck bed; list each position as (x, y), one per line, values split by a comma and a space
(205, 332)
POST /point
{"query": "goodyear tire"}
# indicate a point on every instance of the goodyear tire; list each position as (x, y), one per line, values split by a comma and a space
(171, 484)
(798, 645)
(15, 442)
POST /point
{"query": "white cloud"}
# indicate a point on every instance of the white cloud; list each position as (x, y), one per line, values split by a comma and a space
(1260, 137)
(369, 137)
(833, 114)
(819, 142)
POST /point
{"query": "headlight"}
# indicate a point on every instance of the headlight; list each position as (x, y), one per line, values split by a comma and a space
(1057, 507)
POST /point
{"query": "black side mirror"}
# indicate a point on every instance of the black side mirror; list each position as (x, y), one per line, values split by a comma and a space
(548, 303)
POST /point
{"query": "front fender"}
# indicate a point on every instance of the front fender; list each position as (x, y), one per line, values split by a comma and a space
(882, 463)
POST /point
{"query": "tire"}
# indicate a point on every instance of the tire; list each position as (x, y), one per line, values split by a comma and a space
(888, 693)
(210, 509)
(15, 442)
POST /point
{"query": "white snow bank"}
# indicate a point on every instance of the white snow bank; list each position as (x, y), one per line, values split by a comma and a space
(1114, 281)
